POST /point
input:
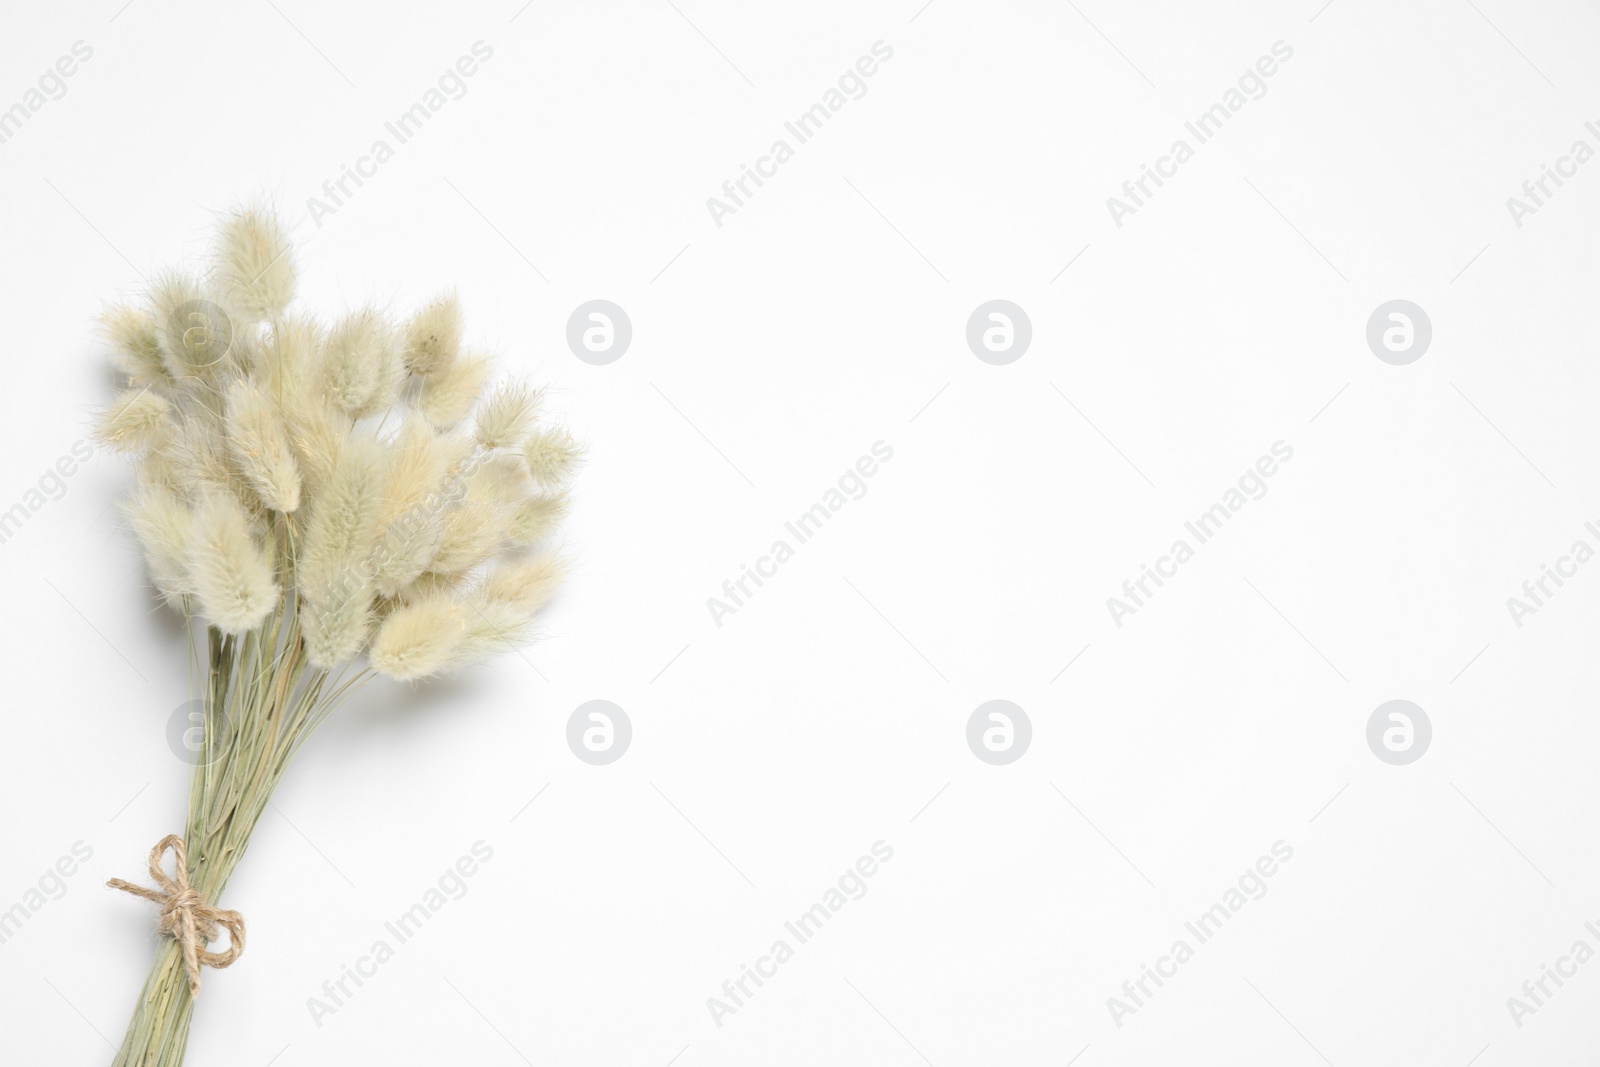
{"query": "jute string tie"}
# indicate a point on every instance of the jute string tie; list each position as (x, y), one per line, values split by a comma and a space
(184, 916)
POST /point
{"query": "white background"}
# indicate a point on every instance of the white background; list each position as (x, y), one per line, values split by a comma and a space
(830, 712)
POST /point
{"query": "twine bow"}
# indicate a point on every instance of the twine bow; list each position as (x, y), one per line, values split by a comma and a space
(184, 916)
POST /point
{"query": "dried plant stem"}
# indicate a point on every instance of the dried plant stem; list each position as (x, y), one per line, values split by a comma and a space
(261, 702)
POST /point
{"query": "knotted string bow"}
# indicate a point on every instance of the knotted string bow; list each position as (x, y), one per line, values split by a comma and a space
(184, 916)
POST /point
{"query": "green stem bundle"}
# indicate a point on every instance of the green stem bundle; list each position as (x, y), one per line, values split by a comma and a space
(261, 702)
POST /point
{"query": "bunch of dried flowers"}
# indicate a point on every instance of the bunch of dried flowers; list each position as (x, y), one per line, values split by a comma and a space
(327, 502)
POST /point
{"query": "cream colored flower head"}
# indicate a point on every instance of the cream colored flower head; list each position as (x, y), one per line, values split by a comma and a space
(348, 482)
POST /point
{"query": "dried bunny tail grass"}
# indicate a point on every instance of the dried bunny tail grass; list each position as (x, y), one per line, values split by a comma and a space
(361, 367)
(137, 419)
(255, 272)
(552, 456)
(198, 455)
(507, 415)
(418, 461)
(156, 470)
(414, 502)
(248, 350)
(492, 626)
(469, 535)
(478, 526)
(334, 579)
(202, 463)
(447, 396)
(260, 446)
(232, 575)
(461, 455)
(135, 350)
(536, 518)
(287, 362)
(431, 583)
(344, 518)
(317, 433)
(335, 631)
(165, 527)
(302, 542)
(525, 584)
(420, 638)
(502, 478)
(433, 337)
(193, 333)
